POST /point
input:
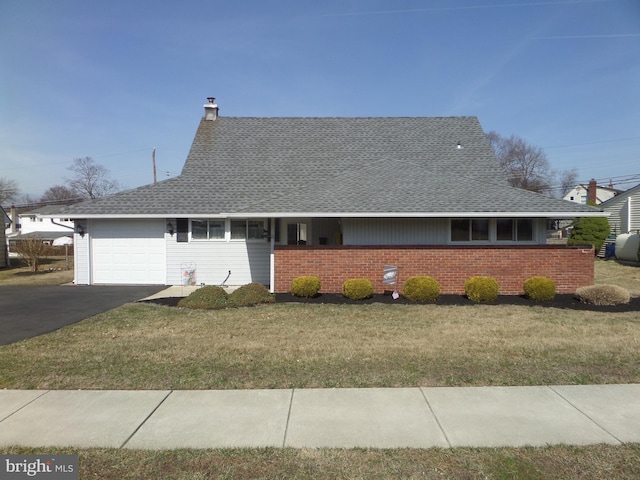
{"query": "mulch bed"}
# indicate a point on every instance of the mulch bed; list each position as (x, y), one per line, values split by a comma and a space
(560, 301)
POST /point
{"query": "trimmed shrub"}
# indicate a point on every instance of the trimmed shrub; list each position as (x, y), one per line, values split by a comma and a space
(421, 289)
(357, 289)
(603, 295)
(250, 294)
(208, 297)
(591, 230)
(306, 286)
(481, 289)
(540, 288)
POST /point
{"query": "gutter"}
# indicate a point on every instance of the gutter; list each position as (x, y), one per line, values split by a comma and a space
(554, 215)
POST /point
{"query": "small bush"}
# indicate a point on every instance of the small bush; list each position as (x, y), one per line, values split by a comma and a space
(208, 297)
(250, 294)
(540, 288)
(357, 289)
(421, 289)
(481, 289)
(306, 286)
(603, 295)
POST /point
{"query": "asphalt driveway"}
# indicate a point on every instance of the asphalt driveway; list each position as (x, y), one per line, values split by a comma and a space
(28, 311)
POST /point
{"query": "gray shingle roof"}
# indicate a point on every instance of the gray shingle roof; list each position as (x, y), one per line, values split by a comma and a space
(301, 166)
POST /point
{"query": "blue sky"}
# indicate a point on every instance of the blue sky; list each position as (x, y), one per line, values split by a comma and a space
(114, 79)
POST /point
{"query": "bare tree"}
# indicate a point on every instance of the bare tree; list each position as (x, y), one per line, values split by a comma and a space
(32, 251)
(568, 180)
(58, 193)
(525, 165)
(91, 180)
(8, 190)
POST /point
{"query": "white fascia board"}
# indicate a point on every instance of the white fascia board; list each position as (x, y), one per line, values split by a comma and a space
(335, 215)
(555, 215)
(86, 216)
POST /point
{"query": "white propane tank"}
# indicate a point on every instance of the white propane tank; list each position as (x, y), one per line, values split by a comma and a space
(627, 246)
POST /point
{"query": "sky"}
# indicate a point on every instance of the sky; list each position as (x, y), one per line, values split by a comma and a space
(113, 80)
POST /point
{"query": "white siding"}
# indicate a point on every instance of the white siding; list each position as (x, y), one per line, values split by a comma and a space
(634, 213)
(81, 256)
(625, 212)
(212, 260)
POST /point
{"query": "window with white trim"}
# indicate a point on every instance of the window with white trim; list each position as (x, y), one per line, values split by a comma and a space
(203, 229)
(247, 229)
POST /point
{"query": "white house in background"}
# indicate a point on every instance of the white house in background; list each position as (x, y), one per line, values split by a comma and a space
(580, 193)
(624, 210)
(27, 222)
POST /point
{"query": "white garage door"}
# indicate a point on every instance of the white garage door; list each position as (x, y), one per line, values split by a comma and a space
(128, 252)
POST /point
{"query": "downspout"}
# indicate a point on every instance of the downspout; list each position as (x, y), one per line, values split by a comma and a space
(272, 267)
(61, 225)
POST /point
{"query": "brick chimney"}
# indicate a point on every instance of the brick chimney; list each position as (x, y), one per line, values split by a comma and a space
(210, 109)
(591, 191)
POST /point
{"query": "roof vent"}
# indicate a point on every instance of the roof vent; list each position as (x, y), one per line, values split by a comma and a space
(210, 109)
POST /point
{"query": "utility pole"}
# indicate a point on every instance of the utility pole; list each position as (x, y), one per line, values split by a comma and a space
(153, 157)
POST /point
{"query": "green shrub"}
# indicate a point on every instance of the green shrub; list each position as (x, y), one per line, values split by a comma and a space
(357, 289)
(481, 289)
(540, 288)
(421, 289)
(208, 297)
(250, 294)
(603, 295)
(590, 230)
(306, 286)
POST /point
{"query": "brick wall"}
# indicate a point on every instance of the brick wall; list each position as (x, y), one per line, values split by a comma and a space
(569, 267)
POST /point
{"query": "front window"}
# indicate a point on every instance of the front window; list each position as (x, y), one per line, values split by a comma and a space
(485, 230)
(207, 229)
(247, 230)
(469, 229)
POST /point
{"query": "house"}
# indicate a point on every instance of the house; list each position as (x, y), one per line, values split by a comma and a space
(269, 199)
(624, 211)
(591, 192)
(41, 221)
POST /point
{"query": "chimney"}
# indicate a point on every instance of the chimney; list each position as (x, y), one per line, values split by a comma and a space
(14, 219)
(210, 109)
(591, 192)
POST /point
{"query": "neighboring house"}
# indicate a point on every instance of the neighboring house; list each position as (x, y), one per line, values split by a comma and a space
(595, 193)
(31, 223)
(624, 210)
(269, 199)
(4, 254)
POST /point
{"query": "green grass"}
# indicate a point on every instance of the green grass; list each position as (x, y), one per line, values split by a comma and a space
(141, 346)
(585, 463)
(284, 346)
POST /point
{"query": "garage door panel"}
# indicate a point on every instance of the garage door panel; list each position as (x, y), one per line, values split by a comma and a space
(129, 252)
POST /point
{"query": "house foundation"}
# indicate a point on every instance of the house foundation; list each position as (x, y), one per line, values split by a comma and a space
(570, 267)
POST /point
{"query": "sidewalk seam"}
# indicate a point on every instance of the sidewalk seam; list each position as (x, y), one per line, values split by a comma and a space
(435, 417)
(286, 427)
(583, 413)
(25, 406)
(145, 420)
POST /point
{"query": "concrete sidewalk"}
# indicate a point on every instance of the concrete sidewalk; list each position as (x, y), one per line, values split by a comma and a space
(315, 418)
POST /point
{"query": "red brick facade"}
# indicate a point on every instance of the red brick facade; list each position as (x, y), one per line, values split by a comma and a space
(451, 266)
